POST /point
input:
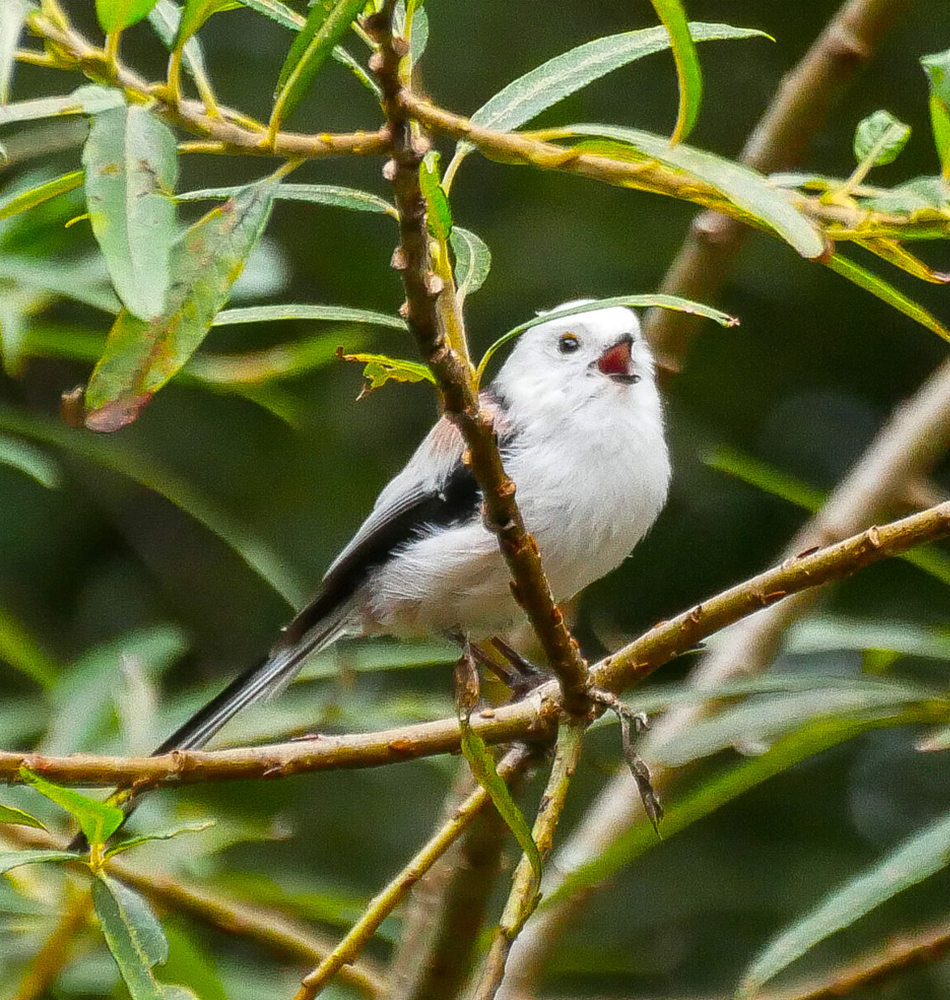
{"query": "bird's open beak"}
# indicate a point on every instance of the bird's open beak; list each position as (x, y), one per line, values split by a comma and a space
(617, 363)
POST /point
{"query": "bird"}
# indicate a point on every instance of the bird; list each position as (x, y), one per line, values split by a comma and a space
(580, 429)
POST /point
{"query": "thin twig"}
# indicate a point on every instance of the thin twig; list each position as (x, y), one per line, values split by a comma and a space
(535, 717)
(456, 377)
(228, 130)
(445, 913)
(525, 888)
(395, 892)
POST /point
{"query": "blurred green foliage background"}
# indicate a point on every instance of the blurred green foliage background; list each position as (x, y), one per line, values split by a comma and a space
(803, 383)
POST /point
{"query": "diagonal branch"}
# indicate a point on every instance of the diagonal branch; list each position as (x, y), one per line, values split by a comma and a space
(533, 718)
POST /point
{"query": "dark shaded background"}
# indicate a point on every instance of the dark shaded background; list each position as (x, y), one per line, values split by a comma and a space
(803, 383)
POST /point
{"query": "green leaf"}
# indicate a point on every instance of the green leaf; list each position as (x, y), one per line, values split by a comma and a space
(381, 369)
(117, 15)
(8, 814)
(25, 200)
(688, 72)
(937, 69)
(135, 938)
(19, 649)
(472, 262)
(131, 168)
(318, 194)
(747, 189)
(327, 22)
(438, 212)
(195, 13)
(673, 302)
(132, 842)
(165, 19)
(278, 12)
(822, 632)
(97, 820)
(31, 460)
(140, 357)
(146, 471)
(877, 286)
(343, 57)
(915, 859)
(340, 314)
(552, 81)
(766, 477)
(86, 100)
(13, 859)
(12, 18)
(879, 139)
(482, 765)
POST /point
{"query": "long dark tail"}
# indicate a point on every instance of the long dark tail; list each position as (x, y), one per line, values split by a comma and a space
(264, 680)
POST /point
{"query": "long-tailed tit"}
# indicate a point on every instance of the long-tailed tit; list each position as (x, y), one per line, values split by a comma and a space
(580, 428)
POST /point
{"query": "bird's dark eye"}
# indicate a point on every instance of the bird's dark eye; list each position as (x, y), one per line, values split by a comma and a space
(568, 343)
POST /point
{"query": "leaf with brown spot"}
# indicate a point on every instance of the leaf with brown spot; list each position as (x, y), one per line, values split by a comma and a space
(141, 356)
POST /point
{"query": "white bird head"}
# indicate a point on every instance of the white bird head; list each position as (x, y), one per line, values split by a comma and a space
(570, 360)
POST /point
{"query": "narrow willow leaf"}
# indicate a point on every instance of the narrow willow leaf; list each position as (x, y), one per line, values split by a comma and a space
(887, 293)
(381, 369)
(97, 820)
(318, 194)
(141, 357)
(22, 652)
(916, 859)
(31, 460)
(14, 859)
(195, 13)
(165, 19)
(9, 814)
(117, 15)
(688, 72)
(482, 764)
(472, 262)
(86, 100)
(147, 472)
(327, 23)
(12, 18)
(344, 58)
(131, 169)
(552, 81)
(278, 12)
(23, 201)
(937, 69)
(135, 938)
(673, 302)
(147, 838)
(747, 189)
(342, 314)
(822, 632)
(894, 252)
(438, 212)
(879, 139)
(923, 197)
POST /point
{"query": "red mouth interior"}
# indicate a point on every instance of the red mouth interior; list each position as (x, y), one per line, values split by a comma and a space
(616, 360)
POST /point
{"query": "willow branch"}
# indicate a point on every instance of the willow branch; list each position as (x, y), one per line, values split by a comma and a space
(533, 718)
(228, 131)
(457, 380)
(779, 142)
